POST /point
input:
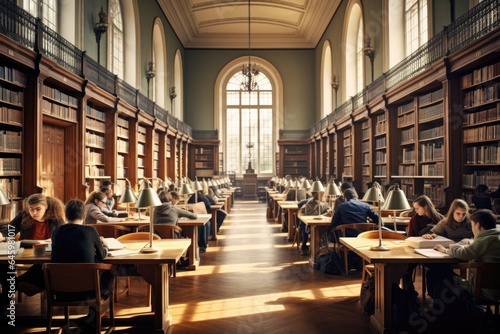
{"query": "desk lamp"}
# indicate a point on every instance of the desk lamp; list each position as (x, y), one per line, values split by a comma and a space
(196, 186)
(185, 191)
(332, 191)
(128, 196)
(396, 200)
(317, 187)
(374, 195)
(148, 198)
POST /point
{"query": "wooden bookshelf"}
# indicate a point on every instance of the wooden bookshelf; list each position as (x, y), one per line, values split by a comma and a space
(156, 154)
(481, 128)
(59, 104)
(366, 159)
(122, 147)
(141, 152)
(204, 158)
(95, 144)
(12, 86)
(347, 153)
(379, 128)
(294, 158)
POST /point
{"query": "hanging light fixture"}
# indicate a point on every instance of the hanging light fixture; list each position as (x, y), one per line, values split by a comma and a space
(250, 72)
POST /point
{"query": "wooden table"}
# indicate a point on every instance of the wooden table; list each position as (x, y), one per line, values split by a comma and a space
(291, 207)
(389, 267)
(190, 230)
(214, 208)
(318, 225)
(153, 267)
(277, 197)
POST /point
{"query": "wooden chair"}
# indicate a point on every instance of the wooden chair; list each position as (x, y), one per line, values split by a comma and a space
(133, 236)
(109, 230)
(487, 276)
(370, 268)
(165, 232)
(77, 278)
(341, 231)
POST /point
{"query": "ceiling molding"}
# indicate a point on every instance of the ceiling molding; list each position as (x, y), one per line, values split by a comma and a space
(223, 24)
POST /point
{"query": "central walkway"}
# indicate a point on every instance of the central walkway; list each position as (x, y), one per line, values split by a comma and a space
(251, 280)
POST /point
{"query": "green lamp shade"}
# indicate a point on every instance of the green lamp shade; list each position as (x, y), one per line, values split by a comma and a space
(396, 200)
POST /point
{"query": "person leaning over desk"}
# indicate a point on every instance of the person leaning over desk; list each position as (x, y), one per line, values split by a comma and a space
(167, 213)
(484, 248)
(456, 225)
(40, 216)
(93, 213)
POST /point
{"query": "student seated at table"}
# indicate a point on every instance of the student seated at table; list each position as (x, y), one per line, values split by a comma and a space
(76, 243)
(456, 225)
(310, 207)
(481, 198)
(40, 216)
(107, 208)
(484, 248)
(341, 199)
(93, 213)
(213, 198)
(203, 231)
(352, 211)
(425, 218)
(167, 213)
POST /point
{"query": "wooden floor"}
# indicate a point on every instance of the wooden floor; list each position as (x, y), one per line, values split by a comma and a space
(250, 280)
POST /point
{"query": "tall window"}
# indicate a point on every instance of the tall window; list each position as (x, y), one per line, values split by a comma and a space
(416, 24)
(360, 80)
(249, 119)
(44, 9)
(115, 31)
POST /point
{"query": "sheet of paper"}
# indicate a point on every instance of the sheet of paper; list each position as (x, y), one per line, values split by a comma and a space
(121, 252)
(429, 252)
(113, 244)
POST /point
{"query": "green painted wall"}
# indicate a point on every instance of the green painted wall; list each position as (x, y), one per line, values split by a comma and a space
(296, 67)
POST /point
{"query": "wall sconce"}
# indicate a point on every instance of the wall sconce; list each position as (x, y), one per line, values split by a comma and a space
(100, 28)
(150, 73)
(173, 94)
(335, 86)
(369, 51)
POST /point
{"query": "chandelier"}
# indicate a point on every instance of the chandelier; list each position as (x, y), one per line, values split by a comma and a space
(250, 72)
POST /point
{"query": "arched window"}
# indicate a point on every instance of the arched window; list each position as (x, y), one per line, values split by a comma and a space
(158, 85)
(177, 106)
(115, 31)
(416, 24)
(326, 81)
(44, 9)
(354, 62)
(249, 126)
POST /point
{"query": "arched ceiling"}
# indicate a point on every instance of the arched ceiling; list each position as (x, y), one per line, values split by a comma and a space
(274, 24)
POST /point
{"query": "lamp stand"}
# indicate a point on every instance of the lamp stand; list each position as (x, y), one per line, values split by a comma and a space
(380, 247)
(150, 249)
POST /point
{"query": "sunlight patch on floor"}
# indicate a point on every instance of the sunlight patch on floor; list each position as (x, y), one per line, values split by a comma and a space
(244, 306)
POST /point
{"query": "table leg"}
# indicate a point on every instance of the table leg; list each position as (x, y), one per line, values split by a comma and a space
(158, 277)
(194, 255)
(214, 225)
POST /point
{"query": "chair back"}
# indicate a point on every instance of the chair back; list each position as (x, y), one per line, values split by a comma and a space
(163, 230)
(138, 236)
(199, 208)
(385, 234)
(487, 275)
(341, 230)
(73, 277)
(109, 230)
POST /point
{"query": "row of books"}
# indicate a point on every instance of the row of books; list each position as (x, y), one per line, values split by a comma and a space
(484, 154)
(12, 96)
(491, 178)
(122, 132)
(9, 166)
(406, 170)
(408, 135)
(487, 115)
(437, 131)
(92, 112)
(380, 143)
(380, 170)
(57, 95)
(365, 134)
(380, 157)
(204, 165)
(430, 97)
(436, 169)
(430, 112)
(122, 146)
(92, 157)
(59, 111)
(94, 171)
(11, 74)
(406, 119)
(11, 187)
(365, 158)
(482, 95)
(486, 132)
(408, 155)
(365, 146)
(11, 141)
(93, 139)
(11, 116)
(406, 108)
(435, 191)
(431, 151)
(95, 125)
(481, 75)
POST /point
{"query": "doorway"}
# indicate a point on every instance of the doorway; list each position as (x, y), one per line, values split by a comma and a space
(53, 161)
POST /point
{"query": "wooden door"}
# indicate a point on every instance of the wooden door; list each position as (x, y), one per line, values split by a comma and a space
(53, 159)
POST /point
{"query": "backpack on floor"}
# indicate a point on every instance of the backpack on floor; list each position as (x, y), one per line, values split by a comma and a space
(367, 296)
(331, 263)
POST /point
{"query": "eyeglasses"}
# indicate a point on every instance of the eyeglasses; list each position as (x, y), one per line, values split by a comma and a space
(102, 202)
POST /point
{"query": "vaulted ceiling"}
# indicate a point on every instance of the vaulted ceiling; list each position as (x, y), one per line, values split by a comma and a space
(274, 24)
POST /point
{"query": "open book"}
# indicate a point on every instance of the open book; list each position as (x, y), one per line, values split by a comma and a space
(113, 244)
